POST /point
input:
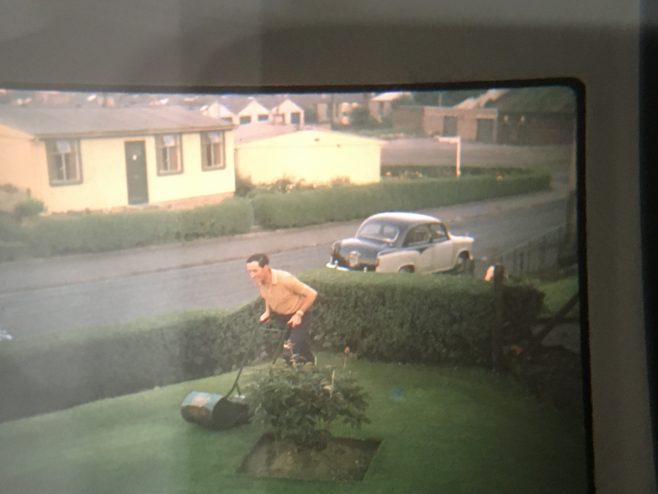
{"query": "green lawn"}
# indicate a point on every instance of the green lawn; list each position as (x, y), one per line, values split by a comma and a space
(443, 430)
(557, 292)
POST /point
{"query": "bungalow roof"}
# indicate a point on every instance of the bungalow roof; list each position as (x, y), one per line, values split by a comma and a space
(264, 130)
(552, 99)
(258, 132)
(54, 122)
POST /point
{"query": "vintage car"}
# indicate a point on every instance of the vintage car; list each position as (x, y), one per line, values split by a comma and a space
(397, 242)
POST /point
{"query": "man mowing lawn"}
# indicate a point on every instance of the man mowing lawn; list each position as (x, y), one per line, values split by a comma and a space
(287, 302)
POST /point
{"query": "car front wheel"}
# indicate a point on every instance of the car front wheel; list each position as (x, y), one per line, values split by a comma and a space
(464, 264)
(406, 269)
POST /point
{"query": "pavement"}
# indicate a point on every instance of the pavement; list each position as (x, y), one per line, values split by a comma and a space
(31, 274)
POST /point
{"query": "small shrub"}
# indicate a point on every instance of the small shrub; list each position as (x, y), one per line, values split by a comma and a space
(243, 186)
(301, 402)
(28, 208)
(340, 181)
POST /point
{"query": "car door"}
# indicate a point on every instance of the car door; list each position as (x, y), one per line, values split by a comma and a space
(442, 248)
(418, 240)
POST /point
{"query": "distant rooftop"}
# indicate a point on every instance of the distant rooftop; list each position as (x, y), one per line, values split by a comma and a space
(482, 100)
(550, 99)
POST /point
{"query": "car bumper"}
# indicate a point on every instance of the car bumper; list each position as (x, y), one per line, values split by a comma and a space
(333, 265)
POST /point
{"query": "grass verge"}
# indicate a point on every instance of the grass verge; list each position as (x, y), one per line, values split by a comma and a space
(557, 292)
(453, 430)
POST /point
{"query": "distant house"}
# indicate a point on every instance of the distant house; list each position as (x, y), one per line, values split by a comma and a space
(526, 116)
(220, 112)
(267, 153)
(104, 158)
(381, 106)
(469, 119)
(330, 108)
(287, 112)
(245, 110)
(536, 116)
(253, 112)
(298, 109)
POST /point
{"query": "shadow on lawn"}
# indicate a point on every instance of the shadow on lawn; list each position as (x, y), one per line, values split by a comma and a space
(555, 375)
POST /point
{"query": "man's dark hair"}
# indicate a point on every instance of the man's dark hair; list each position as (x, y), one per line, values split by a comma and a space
(261, 259)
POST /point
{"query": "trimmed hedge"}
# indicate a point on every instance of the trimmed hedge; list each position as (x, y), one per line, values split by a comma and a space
(431, 319)
(104, 232)
(76, 367)
(95, 232)
(12, 238)
(434, 171)
(278, 210)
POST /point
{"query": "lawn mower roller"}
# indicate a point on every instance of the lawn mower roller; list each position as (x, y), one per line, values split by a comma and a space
(220, 412)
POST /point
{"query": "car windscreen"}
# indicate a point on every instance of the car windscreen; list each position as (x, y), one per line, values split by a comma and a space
(380, 231)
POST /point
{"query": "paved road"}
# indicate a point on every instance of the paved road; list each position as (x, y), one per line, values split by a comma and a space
(41, 296)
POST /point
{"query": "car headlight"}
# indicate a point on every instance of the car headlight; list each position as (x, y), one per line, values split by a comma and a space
(353, 259)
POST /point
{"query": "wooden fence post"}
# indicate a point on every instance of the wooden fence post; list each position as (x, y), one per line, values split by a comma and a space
(499, 321)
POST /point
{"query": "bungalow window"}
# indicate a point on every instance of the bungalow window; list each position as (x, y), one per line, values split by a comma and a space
(264, 117)
(169, 154)
(212, 150)
(245, 120)
(64, 162)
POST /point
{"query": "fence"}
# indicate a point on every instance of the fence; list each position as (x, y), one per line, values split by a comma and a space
(539, 254)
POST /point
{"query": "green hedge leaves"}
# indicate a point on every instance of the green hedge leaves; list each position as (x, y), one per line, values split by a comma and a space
(412, 318)
(96, 232)
(305, 207)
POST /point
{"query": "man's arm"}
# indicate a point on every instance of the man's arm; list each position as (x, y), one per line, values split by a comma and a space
(309, 295)
(265, 316)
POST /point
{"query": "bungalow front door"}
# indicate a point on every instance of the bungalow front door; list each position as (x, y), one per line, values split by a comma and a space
(136, 172)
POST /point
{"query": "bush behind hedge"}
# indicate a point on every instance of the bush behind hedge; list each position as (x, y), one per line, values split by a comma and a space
(300, 208)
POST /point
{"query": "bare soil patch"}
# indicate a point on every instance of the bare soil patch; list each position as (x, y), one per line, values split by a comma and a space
(342, 459)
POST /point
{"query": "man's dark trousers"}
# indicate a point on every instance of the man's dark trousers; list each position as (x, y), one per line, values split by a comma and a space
(299, 336)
